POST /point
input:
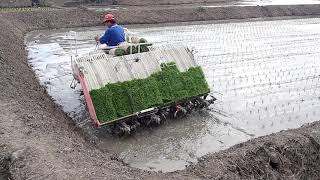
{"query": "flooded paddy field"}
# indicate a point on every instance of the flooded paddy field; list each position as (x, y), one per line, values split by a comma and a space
(265, 75)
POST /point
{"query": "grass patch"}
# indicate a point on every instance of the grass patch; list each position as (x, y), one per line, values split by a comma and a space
(167, 86)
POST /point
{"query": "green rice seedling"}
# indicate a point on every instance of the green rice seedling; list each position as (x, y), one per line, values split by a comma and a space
(174, 76)
(162, 88)
(132, 49)
(143, 93)
(120, 98)
(142, 40)
(189, 84)
(103, 105)
(136, 95)
(144, 48)
(120, 52)
(199, 80)
(151, 92)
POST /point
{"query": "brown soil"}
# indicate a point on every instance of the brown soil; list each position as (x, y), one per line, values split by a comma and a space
(170, 2)
(27, 3)
(38, 141)
(15, 3)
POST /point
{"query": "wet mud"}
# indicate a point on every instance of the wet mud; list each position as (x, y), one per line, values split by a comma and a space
(265, 75)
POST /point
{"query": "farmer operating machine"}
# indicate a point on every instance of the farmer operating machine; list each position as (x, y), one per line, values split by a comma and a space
(137, 83)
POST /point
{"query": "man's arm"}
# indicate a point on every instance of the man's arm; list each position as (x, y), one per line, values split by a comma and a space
(105, 38)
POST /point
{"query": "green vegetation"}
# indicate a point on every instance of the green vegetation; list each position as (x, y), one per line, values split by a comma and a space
(142, 40)
(120, 99)
(103, 103)
(132, 49)
(144, 48)
(120, 52)
(135, 49)
(167, 86)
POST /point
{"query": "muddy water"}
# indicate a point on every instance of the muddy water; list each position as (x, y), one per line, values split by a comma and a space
(265, 74)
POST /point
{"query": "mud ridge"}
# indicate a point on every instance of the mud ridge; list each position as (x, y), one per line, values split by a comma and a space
(4, 167)
(51, 147)
(290, 154)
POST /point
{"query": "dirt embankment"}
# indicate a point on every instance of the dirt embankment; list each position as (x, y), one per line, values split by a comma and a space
(15, 3)
(293, 154)
(170, 2)
(200, 13)
(38, 141)
(27, 3)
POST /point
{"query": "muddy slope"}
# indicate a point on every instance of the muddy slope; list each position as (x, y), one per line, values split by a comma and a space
(38, 141)
(170, 2)
(15, 3)
(27, 3)
(291, 154)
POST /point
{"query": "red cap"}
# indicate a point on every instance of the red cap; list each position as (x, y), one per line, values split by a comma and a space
(108, 17)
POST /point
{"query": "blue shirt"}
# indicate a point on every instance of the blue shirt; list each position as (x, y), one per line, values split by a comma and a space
(113, 36)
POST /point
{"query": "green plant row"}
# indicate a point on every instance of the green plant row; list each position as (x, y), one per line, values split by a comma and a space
(164, 87)
(131, 50)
